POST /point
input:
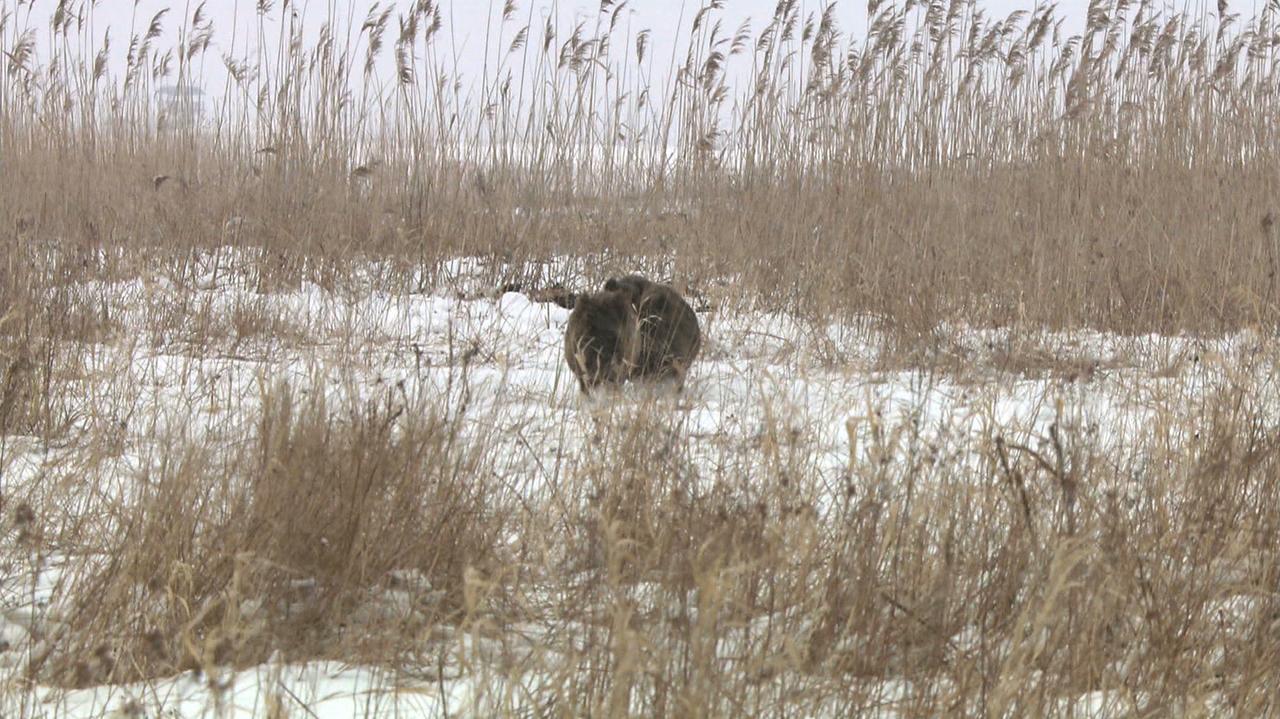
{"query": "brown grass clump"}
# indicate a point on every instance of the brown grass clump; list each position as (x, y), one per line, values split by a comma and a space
(289, 545)
(34, 327)
(647, 516)
(1008, 575)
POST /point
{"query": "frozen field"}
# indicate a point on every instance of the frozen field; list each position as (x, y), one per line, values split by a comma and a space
(832, 407)
(986, 420)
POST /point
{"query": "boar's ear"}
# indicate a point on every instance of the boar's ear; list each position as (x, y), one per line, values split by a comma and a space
(612, 285)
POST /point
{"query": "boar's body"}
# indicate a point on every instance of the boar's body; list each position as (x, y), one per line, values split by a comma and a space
(600, 343)
(668, 334)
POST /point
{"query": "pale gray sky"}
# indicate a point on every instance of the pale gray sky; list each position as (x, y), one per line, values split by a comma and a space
(465, 22)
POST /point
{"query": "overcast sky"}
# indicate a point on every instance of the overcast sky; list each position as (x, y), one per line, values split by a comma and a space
(465, 21)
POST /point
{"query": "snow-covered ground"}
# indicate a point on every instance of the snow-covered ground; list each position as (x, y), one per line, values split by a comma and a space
(190, 363)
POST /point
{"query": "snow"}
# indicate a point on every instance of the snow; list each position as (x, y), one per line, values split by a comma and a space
(162, 378)
(321, 689)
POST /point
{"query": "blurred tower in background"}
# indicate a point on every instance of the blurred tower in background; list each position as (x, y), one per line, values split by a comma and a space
(181, 107)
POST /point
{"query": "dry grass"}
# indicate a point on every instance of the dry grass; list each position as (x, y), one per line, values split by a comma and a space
(223, 560)
(945, 165)
(945, 170)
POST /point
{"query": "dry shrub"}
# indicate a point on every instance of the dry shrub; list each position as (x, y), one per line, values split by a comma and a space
(36, 328)
(346, 498)
(650, 517)
(679, 565)
(21, 389)
(20, 385)
(1030, 570)
(291, 544)
(1008, 574)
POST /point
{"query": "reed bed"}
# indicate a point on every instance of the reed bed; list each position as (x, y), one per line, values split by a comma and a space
(947, 164)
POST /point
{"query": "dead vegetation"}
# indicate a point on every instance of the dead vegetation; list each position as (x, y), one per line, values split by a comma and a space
(947, 168)
(945, 164)
(225, 558)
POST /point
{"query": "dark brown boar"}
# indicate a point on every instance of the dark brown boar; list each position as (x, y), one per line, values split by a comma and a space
(600, 342)
(668, 332)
